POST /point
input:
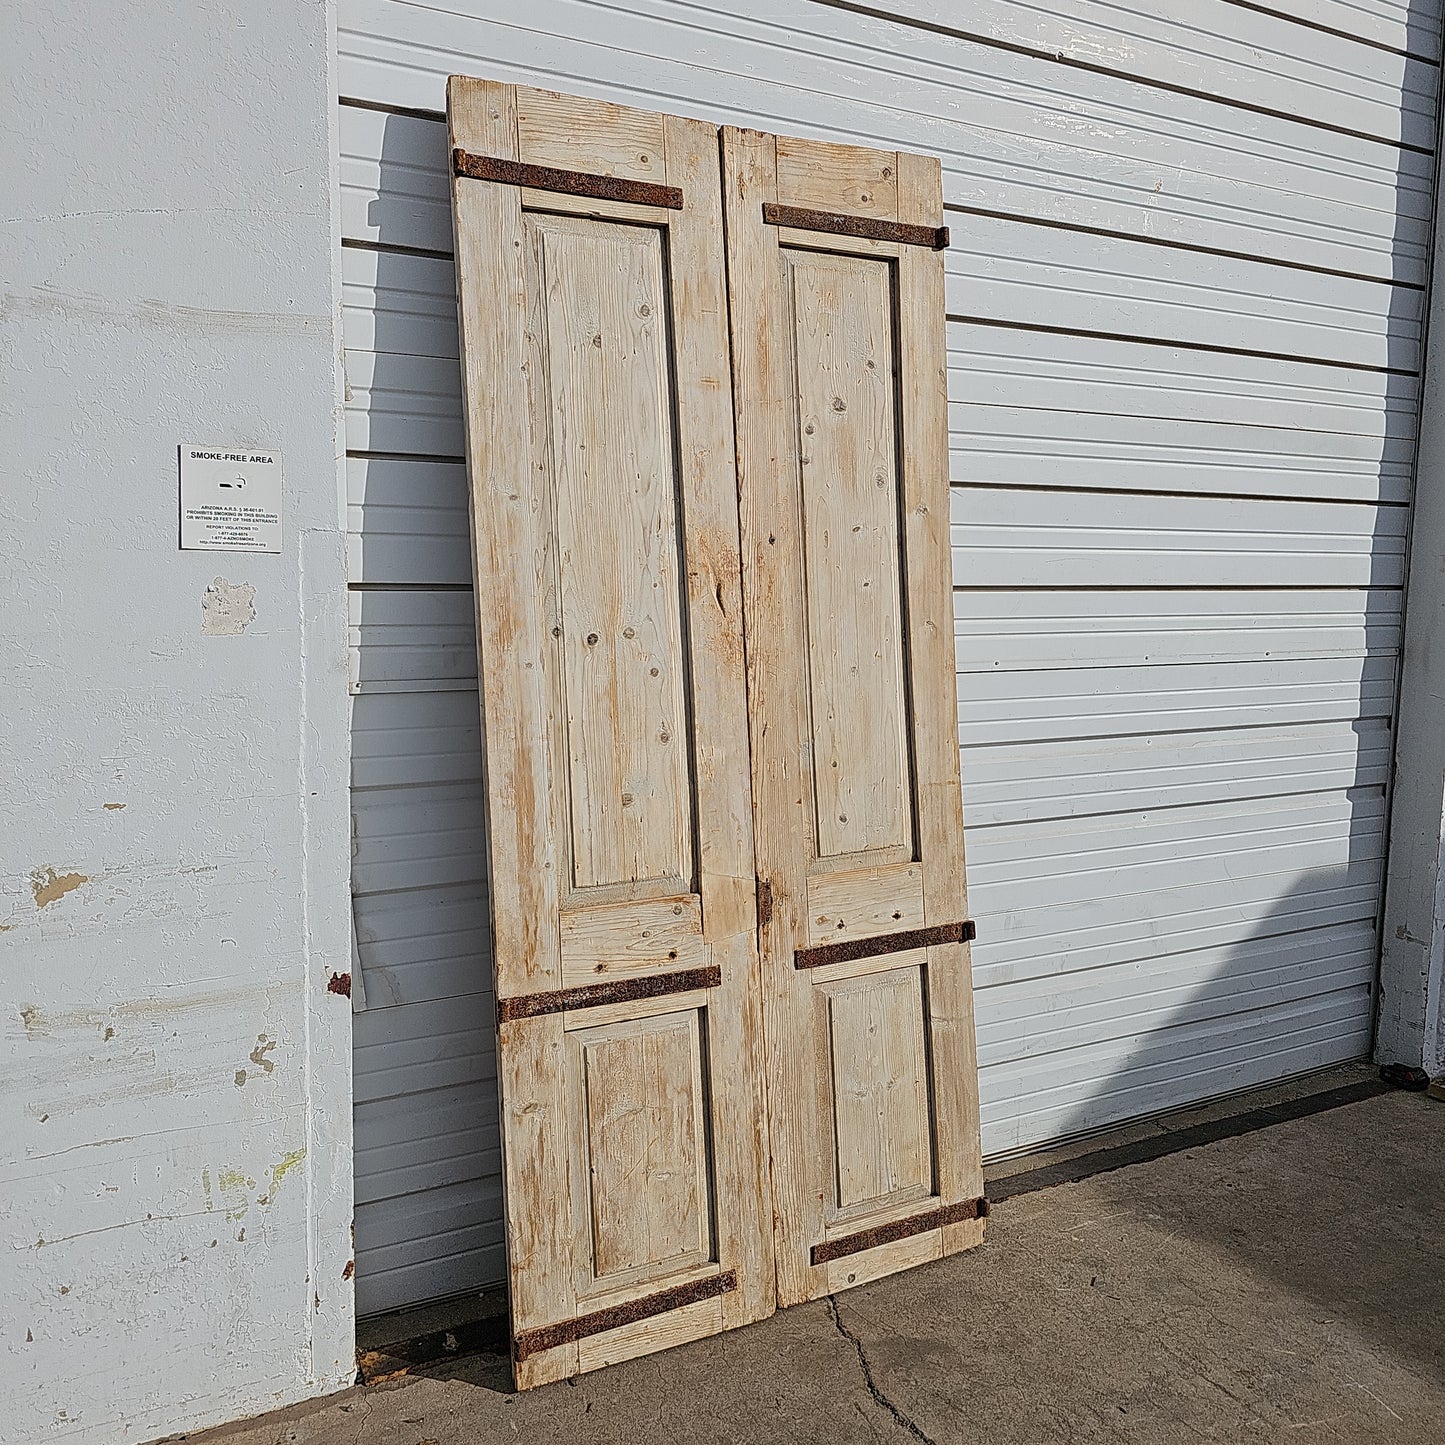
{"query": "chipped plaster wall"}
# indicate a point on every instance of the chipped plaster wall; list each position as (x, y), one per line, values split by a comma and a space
(175, 1134)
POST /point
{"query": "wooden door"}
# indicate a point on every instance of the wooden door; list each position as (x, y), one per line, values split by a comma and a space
(599, 428)
(837, 303)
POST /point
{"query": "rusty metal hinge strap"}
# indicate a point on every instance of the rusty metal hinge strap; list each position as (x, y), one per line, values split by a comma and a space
(820, 955)
(867, 228)
(618, 990)
(570, 183)
(547, 1337)
(831, 1249)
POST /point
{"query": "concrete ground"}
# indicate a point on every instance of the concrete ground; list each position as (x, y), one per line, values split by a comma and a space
(1284, 1285)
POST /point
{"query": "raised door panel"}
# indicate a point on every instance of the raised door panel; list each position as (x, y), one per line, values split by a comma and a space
(605, 434)
(641, 1180)
(840, 313)
(838, 354)
(878, 1081)
(599, 423)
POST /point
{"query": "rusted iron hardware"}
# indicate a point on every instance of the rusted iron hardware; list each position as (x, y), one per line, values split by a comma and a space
(900, 1229)
(533, 1342)
(765, 902)
(594, 995)
(820, 955)
(838, 223)
(570, 183)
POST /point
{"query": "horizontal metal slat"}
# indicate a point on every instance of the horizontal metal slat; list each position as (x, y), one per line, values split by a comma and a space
(1244, 55)
(1167, 697)
(1042, 1015)
(1396, 24)
(410, 640)
(1089, 1088)
(404, 1150)
(1015, 133)
(424, 946)
(1028, 782)
(424, 1047)
(1070, 848)
(1051, 371)
(1034, 276)
(418, 837)
(1014, 539)
(1025, 276)
(1013, 631)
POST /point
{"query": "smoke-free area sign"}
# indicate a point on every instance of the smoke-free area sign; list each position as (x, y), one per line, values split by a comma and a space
(230, 499)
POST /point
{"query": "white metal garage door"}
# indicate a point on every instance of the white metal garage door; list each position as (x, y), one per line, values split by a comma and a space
(1185, 293)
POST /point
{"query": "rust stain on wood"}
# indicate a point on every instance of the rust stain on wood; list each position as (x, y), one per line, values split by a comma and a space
(340, 983)
(570, 183)
(532, 1342)
(899, 1229)
(765, 903)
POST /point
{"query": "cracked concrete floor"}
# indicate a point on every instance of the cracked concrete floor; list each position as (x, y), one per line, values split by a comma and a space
(1287, 1285)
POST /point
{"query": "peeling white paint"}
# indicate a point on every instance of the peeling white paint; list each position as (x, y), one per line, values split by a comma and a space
(175, 1120)
(227, 608)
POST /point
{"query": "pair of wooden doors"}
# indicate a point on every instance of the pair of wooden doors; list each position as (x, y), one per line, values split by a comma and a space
(707, 444)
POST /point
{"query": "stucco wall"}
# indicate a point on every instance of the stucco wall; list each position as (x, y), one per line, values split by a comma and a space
(175, 1167)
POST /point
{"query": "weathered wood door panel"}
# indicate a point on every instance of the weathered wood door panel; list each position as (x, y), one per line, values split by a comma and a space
(600, 448)
(838, 372)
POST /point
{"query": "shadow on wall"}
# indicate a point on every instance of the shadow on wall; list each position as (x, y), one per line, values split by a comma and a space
(428, 1169)
(1308, 967)
(1310, 961)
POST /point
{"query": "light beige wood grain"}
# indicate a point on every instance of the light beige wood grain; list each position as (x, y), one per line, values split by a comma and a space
(966, 1234)
(870, 1264)
(628, 940)
(506, 540)
(575, 133)
(804, 330)
(930, 614)
(516, 705)
(797, 239)
(906, 1205)
(901, 853)
(841, 309)
(798, 1112)
(863, 902)
(537, 1149)
(647, 1337)
(599, 289)
(930, 596)
(586, 1018)
(601, 461)
(482, 116)
(826, 177)
(592, 208)
(720, 712)
(641, 1191)
(882, 1133)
